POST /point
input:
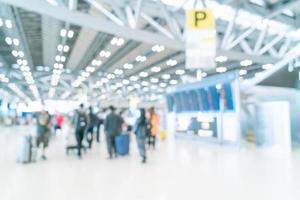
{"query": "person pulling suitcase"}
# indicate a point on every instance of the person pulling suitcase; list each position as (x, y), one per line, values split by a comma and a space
(81, 122)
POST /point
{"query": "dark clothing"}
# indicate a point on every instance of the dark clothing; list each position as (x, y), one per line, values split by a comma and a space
(43, 128)
(113, 127)
(93, 122)
(113, 124)
(140, 130)
(151, 140)
(90, 135)
(93, 119)
(111, 146)
(100, 122)
(79, 137)
(80, 122)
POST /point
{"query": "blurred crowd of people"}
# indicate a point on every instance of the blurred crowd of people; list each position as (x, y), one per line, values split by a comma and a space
(86, 127)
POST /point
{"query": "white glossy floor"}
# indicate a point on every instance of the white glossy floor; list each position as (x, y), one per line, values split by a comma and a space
(177, 170)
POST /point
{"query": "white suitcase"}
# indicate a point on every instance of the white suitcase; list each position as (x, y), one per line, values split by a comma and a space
(26, 151)
(23, 151)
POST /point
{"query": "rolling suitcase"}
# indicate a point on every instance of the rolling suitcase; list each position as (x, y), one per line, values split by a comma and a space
(26, 153)
(122, 144)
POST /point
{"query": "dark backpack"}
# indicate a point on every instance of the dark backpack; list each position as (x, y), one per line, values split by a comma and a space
(82, 121)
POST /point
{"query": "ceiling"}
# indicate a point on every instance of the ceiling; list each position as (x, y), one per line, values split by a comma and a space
(110, 49)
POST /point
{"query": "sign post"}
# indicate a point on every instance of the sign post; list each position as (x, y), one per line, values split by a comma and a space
(200, 39)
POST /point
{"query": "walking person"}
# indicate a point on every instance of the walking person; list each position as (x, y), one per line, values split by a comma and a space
(100, 122)
(80, 122)
(112, 127)
(93, 119)
(154, 120)
(140, 130)
(43, 125)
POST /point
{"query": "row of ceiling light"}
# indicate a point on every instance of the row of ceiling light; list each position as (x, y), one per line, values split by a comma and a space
(21, 61)
(97, 62)
(60, 59)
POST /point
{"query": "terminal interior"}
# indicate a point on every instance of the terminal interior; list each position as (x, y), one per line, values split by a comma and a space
(220, 77)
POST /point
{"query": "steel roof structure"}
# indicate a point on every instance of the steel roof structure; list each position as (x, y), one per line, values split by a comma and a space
(63, 49)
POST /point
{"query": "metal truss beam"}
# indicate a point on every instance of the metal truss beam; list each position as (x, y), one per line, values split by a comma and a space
(102, 25)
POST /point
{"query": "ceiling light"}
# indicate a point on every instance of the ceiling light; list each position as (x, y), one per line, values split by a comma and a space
(180, 72)
(173, 82)
(105, 54)
(154, 80)
(90, 69)
(70, 34)
(57, 58)
(56, 65)
(166, 76)
(158, 48)
(8, 40)
(203, 74)
(114, 41)
(111, 76)
(94, 62)
(134, 78)
(98, 63)
(128, 66)
(171, 62)
(155, 69)
(63, 58)
(40, 68)
(60, 47)
(243, 72)
(143, 74)
(19, 61)
(63, 32)
(118, 71)
(15, 53)
(47, 69)
(125, 82)
(221, 59)
(16, 42)
(66, 48)
(25, 68)
(21, 54)
(246, 63)
(27, 74)
(8, 23)
(25, 62)
(120, 42)
(85, 74)
(141, 58)
(221, 69)
(117, 41)
(137, 86)
(267, 66)
(145, 83)
(15, 66)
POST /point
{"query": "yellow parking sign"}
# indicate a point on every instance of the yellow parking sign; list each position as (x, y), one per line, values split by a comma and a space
(200, 19)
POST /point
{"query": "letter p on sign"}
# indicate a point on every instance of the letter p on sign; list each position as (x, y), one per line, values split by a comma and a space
(200, 19)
